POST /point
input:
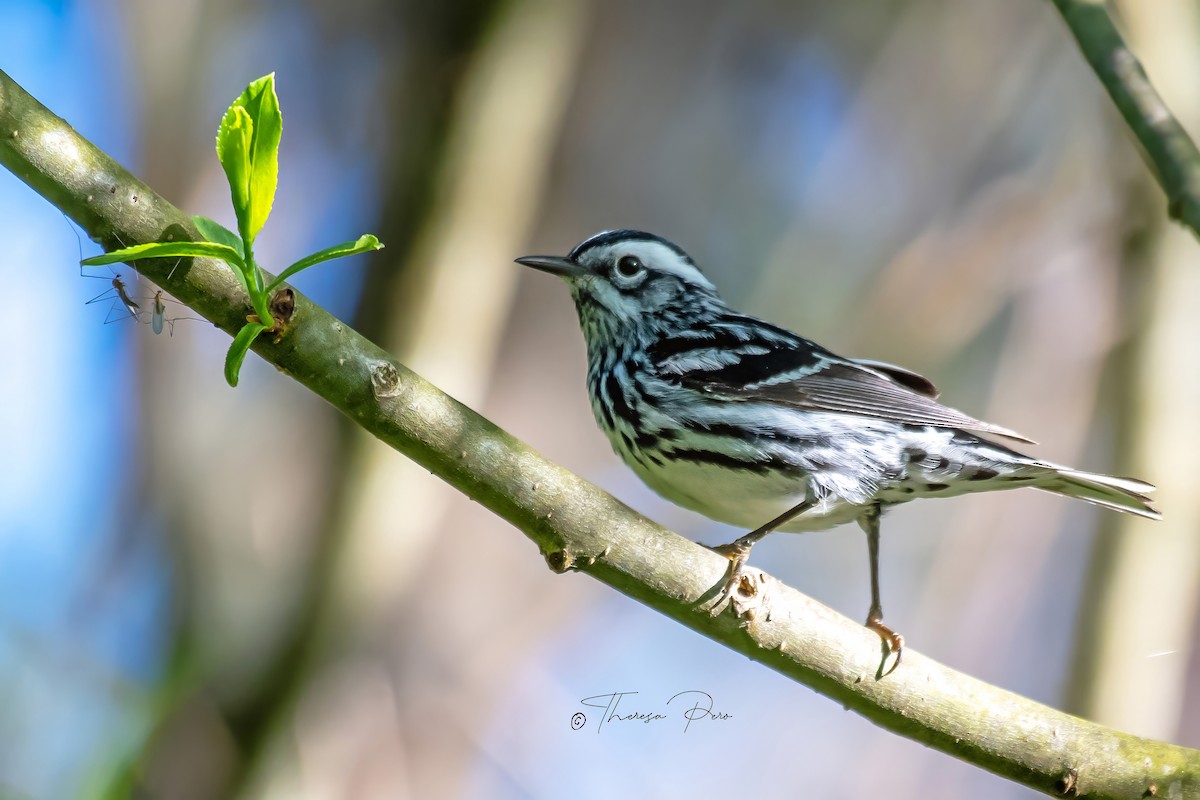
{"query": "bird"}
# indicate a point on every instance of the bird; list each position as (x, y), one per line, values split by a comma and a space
(752, 425)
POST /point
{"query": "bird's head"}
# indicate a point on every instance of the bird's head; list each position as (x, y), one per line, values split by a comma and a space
(630, 284)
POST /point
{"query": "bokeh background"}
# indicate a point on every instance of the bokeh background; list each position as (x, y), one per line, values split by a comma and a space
(939, 183)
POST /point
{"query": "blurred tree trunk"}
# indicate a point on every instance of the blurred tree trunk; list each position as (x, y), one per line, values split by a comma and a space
(447, 302)
(1145, 584)
(262, 618)
(440, 305)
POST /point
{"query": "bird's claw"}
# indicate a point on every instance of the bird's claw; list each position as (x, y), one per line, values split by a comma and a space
(892, 642)
(735, 552)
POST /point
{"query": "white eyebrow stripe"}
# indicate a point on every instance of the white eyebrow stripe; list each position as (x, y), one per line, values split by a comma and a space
(658, 257)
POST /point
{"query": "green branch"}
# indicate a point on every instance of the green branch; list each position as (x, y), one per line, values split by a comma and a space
(1172, 154)
(576, 526)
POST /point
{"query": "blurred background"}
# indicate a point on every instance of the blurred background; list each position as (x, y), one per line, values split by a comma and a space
(938, 183)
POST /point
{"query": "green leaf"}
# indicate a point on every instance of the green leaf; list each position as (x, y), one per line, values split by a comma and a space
(363, 244)
(263, 105)
(248, 146)
(233, 150)
(237, 351)
(214, 231)
(169, 250)
(217, 233)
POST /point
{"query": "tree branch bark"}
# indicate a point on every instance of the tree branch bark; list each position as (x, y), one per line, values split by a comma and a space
(576, 526)
(1172, 154)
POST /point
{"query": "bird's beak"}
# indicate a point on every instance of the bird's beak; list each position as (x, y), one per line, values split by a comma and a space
(555, 265)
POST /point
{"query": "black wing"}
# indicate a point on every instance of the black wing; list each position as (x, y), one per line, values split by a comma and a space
(799, 374)
(905, 377)
(849, 388)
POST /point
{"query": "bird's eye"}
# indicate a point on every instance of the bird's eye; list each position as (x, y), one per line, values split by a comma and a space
(629, 266)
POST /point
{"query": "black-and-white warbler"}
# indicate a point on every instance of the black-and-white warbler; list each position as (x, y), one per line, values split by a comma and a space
(749, 424)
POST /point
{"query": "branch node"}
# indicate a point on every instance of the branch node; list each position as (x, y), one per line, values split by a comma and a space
(560, 561)
(283, 306)
(749, 599)
(566, 560)
(385, 379)
(1068, 783)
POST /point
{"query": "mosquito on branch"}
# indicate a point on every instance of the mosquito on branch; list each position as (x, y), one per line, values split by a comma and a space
(158, 315)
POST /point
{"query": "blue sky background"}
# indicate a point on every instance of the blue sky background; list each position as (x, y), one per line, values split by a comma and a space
(85, 587)
(72, 663)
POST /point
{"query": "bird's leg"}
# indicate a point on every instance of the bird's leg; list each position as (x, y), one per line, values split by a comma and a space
(894, 641)
(738, 551)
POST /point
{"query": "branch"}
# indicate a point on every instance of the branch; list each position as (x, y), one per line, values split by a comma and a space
(1172, 154)
(576, 526)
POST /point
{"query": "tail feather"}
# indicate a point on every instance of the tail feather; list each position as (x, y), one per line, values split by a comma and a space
(1119, 494)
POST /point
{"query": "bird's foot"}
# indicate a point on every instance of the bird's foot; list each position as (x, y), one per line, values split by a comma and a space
(893, 644)
(744, 589)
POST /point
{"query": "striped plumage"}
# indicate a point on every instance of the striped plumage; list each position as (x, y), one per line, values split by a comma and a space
(748, 423)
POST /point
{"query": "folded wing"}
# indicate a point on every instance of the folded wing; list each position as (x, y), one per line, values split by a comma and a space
(829, 383)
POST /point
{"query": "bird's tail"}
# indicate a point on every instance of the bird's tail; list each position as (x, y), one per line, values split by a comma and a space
(1119, 494)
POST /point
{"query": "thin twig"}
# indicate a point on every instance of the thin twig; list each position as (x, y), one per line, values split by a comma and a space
(1172, 154)
(576, 526)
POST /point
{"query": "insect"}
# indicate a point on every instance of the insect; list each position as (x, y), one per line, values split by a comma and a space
(752, 425)
(159, 314)
(159, 318)
(118, 291)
